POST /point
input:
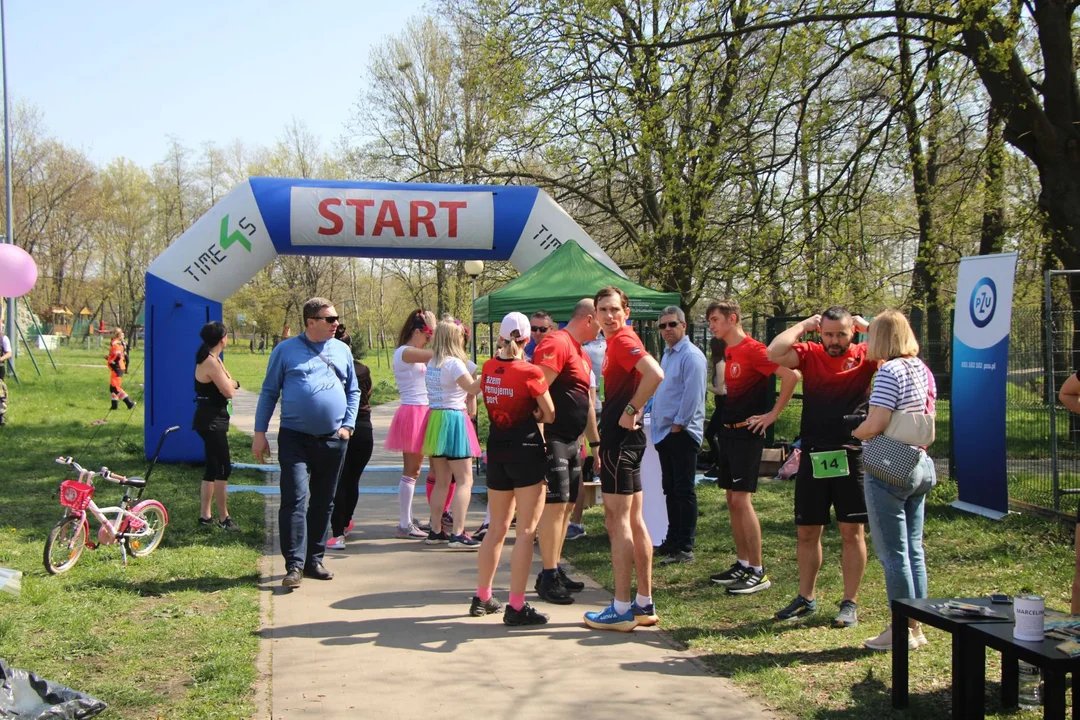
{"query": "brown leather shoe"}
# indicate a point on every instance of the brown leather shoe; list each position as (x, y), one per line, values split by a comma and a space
(292, 578)
(317, 571)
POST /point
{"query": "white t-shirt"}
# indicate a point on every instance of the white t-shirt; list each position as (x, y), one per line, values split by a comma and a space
(410, 379)
(5, 345)
(443, 391)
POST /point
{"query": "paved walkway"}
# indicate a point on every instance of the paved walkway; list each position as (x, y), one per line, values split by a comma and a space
(390, 636)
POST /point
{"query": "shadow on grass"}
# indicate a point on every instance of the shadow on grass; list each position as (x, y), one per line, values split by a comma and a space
(156, 588)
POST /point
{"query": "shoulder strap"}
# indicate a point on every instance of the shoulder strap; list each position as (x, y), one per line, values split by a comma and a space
(323, 358)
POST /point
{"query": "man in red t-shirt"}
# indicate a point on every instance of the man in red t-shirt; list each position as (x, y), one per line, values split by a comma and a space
(745, 418)
(836, 383)
(567, 371)
(631, 376)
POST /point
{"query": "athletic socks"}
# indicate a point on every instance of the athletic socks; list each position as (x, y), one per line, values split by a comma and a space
(487, 516)
(549, 574)
(449, 493)
(517, 600)
(621, 607)
(449, 497)
(643, 600)
(405, 490)
(744, 563)
(484, 593)
(757, 568)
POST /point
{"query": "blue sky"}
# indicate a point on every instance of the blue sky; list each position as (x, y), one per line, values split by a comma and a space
(116, 77)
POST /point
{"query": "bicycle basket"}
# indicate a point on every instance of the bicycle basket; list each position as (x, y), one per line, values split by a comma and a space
(76, 495)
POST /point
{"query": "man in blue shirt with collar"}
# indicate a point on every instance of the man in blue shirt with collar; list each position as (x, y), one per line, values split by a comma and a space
(678, 423)
(313, 375)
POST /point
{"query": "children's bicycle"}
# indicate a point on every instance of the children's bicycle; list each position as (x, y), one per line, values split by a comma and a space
(137, 525)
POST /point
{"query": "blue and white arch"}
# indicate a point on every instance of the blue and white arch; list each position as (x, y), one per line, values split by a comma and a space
(266, 217)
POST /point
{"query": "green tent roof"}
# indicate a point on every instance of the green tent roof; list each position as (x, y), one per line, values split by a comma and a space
(559, 281)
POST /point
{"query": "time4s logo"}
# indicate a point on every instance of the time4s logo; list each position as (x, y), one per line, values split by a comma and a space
(983, 302)
(227, 238)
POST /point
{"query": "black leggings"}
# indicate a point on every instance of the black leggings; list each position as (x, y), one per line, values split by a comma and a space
(361, 445)
(218, 462)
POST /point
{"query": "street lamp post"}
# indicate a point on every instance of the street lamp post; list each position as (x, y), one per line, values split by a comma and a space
(473, 268)
(7, 174)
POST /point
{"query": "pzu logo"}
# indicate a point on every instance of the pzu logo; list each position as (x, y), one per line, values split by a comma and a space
(983, 302)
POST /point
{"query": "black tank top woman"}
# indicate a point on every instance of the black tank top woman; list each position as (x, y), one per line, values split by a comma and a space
(211, 408)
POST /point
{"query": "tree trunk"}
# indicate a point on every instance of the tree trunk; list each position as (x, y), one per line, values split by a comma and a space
(992, 237)
(442, 302)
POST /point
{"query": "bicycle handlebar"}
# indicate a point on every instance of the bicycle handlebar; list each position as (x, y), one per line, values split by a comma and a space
(104, 473)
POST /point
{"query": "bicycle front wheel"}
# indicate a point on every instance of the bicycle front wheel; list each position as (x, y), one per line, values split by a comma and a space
(154, 519)
(65, 545)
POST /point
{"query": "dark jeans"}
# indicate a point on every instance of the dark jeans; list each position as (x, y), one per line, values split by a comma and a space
(308, 462)
(361, 445)
(678, 466)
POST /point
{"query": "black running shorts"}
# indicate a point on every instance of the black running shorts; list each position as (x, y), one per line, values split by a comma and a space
(514, 475)
(740, 460)
(563, 470)
(620, 470)
(814, 496)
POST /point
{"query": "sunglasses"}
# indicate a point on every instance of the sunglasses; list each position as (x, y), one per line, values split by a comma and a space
(665, 326)
(536, 328)
(330, 319)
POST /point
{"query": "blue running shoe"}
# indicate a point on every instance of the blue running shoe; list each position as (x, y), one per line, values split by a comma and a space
(608, 619)
(645, 616)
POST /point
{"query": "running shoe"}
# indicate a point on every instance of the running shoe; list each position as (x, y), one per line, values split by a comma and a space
(733, 573)
(422, 525)
(800, 607)
(480, 608)
(228, 525)
(751, 582)
(336, 543)
(481, 532)
(679, 556)
(410, 533)
(551, 590)
(527, 615)
(609, 619)
(848, 615)
(206, 522)
(434, 538)
(349, 528)
(464, 542)
(884, 640)
(645, 616)
(448, 522)
(572, 585)
(575, 531)
(712, 473)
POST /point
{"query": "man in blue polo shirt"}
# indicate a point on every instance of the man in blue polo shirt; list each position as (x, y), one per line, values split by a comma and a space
(313, 375)
(678, 422)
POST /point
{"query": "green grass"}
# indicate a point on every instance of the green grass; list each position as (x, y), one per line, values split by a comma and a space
(171, 635)
(810, 670)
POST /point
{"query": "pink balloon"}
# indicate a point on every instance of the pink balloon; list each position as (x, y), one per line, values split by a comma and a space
(18, 271)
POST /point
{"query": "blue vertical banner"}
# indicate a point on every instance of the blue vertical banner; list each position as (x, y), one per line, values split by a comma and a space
(980, 360)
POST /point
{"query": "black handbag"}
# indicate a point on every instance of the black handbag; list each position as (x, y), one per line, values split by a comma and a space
(890, 460)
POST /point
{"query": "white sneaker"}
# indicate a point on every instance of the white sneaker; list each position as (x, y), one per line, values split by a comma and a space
(884, 640)
(336, 543)
(920, 638)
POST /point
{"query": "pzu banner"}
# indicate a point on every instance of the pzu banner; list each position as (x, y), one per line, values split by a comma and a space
(980, 366)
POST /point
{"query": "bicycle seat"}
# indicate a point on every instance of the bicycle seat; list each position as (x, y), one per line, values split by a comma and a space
(135, 482)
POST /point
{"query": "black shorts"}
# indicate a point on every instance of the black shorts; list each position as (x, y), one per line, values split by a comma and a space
(620, 470)
(740, 460)
(563, 470)
(510, 476)
(814, 496)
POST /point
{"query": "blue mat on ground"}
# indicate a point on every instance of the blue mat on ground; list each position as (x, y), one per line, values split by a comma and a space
(376, 490)
(277, 468)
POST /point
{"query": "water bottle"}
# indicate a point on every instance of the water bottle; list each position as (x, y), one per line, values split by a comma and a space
(1030, 692)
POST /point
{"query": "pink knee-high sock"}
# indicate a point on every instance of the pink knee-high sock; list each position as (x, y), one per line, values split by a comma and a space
(517, 600)
(449, 493)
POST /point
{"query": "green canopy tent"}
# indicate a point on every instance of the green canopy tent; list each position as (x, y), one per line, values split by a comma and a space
(559, 281)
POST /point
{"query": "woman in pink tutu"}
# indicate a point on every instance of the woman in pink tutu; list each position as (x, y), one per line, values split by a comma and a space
(450, 438)
(406, 433)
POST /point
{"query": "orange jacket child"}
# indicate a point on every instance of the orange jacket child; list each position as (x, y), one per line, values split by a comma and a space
(118, 363)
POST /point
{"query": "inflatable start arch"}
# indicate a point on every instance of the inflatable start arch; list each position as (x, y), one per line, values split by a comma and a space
(265, 217)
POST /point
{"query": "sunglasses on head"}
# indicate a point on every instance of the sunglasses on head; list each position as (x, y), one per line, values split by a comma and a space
(330, 319)
(539, 329)
(665, 326)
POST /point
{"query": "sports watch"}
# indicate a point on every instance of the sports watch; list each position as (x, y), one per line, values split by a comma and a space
(630, 410)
